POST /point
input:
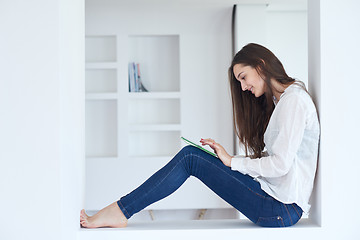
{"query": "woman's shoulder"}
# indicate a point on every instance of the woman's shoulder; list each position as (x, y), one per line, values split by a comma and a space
(296, 90)
(297, 93)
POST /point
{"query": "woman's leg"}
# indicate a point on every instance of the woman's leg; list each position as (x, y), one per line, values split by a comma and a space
(239, 190)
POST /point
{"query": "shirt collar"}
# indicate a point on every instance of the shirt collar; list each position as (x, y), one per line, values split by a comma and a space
(286, 90)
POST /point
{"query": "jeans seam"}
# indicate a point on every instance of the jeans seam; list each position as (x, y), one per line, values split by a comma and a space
(288, 214)
(233, 177)
(296, 210)
(282, 221)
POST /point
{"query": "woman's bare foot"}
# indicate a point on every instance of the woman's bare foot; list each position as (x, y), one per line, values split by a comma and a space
(110, 216)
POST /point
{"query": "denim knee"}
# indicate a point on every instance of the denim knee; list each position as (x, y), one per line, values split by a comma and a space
(189, 156)
(189, 149)
(185, 152)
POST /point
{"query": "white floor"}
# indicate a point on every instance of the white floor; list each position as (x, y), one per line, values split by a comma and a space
(199, 229)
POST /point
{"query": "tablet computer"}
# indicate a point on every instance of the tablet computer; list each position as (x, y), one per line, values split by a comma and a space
(198, 146)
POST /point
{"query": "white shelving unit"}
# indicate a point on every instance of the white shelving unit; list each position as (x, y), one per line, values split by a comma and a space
(126, 130)
(131, 135)
(183, 64)
(154, 117)
(101, 97)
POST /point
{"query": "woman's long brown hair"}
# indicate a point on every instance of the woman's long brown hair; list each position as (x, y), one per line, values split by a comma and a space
(251, 115)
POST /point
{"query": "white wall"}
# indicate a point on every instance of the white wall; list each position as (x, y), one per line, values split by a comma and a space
(71, 113)
(314, 88)
(41, 118)
(335, 84)
(280, 27)
(30, 171)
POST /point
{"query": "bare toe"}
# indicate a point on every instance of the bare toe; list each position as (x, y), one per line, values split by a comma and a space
(83, 213)
(83, 218)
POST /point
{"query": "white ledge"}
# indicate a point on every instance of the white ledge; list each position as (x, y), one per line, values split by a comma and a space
(208, 228)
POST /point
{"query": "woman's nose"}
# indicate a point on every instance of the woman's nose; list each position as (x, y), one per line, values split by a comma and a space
(243, 87)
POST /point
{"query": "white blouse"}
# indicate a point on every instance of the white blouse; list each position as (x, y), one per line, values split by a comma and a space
(291, 139)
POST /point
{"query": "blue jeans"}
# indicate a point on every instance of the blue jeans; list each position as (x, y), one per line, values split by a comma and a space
(239, 190)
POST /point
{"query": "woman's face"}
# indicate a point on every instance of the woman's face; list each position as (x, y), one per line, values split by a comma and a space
(250, 79)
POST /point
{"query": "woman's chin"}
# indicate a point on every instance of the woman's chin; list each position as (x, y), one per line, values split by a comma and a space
(258, 95)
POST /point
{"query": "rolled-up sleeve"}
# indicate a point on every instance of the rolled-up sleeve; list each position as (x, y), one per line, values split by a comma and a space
(282, 148)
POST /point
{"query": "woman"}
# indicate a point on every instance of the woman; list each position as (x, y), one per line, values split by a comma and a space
(272, 112)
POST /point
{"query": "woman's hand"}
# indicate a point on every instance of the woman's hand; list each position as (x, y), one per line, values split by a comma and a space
(219, 150)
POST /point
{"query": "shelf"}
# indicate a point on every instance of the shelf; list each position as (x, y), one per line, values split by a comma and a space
(159, 60)
(101, 96)
(154, 95)
(125, 130)
(101, 80)
(207, 229)
(153, 158)
(163, 159)
(155, 127)
(140, 95)
(113, 158)
(101, 65)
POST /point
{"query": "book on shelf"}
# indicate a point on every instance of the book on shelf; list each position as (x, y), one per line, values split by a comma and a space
(135, 83)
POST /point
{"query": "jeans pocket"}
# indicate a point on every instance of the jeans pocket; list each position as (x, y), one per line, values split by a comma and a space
(276, 221)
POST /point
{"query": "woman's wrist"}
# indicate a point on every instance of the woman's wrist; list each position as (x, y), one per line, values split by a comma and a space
(228, 160)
